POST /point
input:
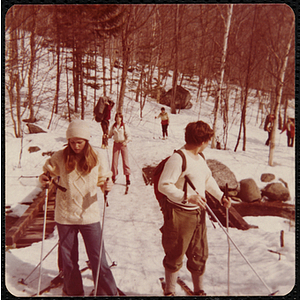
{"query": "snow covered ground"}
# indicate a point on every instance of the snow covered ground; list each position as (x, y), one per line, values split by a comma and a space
(132, 222)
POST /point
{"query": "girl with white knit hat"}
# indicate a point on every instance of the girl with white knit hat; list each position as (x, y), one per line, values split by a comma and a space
(81, 170)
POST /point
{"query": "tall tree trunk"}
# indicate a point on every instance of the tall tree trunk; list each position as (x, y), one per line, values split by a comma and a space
(14, 73)
(227, 24)
(83, 97)
(75, 78)
(104, 69)
(57, 63)
(95, 72)
(279, 96)
(175, 71)
(125, 52)
(31, 65)
(246, 88)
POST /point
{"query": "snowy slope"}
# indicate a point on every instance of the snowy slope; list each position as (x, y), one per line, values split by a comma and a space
(132, 222)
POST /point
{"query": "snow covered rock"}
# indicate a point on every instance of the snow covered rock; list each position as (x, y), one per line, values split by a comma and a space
(276, 191)
(34, 128)
(267, 177)
(222, 174)
(249, 190)
(182, 99)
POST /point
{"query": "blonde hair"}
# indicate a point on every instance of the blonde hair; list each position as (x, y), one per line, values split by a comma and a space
(87, 162)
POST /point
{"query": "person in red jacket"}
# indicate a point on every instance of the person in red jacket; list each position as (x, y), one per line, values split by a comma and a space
(164, 122)
(289, 127)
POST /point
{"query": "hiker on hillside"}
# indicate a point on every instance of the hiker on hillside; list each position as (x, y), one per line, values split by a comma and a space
(289, 126)
(269, 124)
(184, 228)
(121, 135)
(105, 122)
(164, 122)
(81, 170)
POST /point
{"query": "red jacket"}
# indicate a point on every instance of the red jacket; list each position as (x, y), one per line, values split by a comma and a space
(106, 112)
(290, 129)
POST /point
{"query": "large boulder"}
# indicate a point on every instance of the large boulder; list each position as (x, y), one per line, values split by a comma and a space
(222, 174)
(182, 99)
(34, 128)
(249, 190)
(276, 192)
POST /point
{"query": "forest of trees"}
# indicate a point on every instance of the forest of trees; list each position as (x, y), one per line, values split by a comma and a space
(222, 46)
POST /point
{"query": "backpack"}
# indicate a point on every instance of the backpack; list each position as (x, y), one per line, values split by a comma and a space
(158, 170)
(99, 109)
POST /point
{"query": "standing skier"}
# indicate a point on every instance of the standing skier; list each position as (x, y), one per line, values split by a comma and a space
(184, 228)
(121, 135)
(269, 124)
(81, 170)
(164, 122)
(290, 131)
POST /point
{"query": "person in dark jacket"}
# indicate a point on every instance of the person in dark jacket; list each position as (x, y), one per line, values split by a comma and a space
(269, 124)
(105, 123)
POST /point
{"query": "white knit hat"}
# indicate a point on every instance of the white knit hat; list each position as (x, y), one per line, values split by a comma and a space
(78, 128)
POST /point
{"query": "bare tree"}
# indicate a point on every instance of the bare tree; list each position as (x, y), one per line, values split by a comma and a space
(279, 89)
(227, 24)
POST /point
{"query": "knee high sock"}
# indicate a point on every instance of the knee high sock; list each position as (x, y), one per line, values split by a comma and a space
(171, 279)
(197, 282)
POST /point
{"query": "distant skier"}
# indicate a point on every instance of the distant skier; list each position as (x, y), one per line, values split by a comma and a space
(121, 135)
(184, 228)
(105, 122)
(269, 124)
(164, 122)
(290, 131)
(80, 169)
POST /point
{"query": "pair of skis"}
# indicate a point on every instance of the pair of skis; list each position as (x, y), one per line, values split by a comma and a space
(182, 284)
(59, 280)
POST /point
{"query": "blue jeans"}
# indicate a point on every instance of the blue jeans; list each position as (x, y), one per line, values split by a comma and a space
(68, 242)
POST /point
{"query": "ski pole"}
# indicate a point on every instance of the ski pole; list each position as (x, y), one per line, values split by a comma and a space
(237, 248)
(23, 281)
(101, 243)
(43, 238)
(228, 241)
(147, 180)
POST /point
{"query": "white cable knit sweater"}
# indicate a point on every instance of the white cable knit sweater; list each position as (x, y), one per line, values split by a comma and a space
(78, 205)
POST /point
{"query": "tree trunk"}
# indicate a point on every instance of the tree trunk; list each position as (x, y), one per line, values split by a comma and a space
(279, 96)
(83, 97)
(175, 71)
(31, 65)
(95, 72)
(104, 69)
(125, 52)
(139, 86)
(227, 24)
(14, 73)
(75, 78)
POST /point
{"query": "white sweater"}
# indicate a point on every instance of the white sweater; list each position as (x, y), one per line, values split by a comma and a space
(78, 205)
(172, 179)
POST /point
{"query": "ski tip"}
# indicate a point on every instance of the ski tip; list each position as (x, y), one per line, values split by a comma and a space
(22, 281)
(274, 293)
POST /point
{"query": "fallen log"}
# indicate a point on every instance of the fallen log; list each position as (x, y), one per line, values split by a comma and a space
(267, 208)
